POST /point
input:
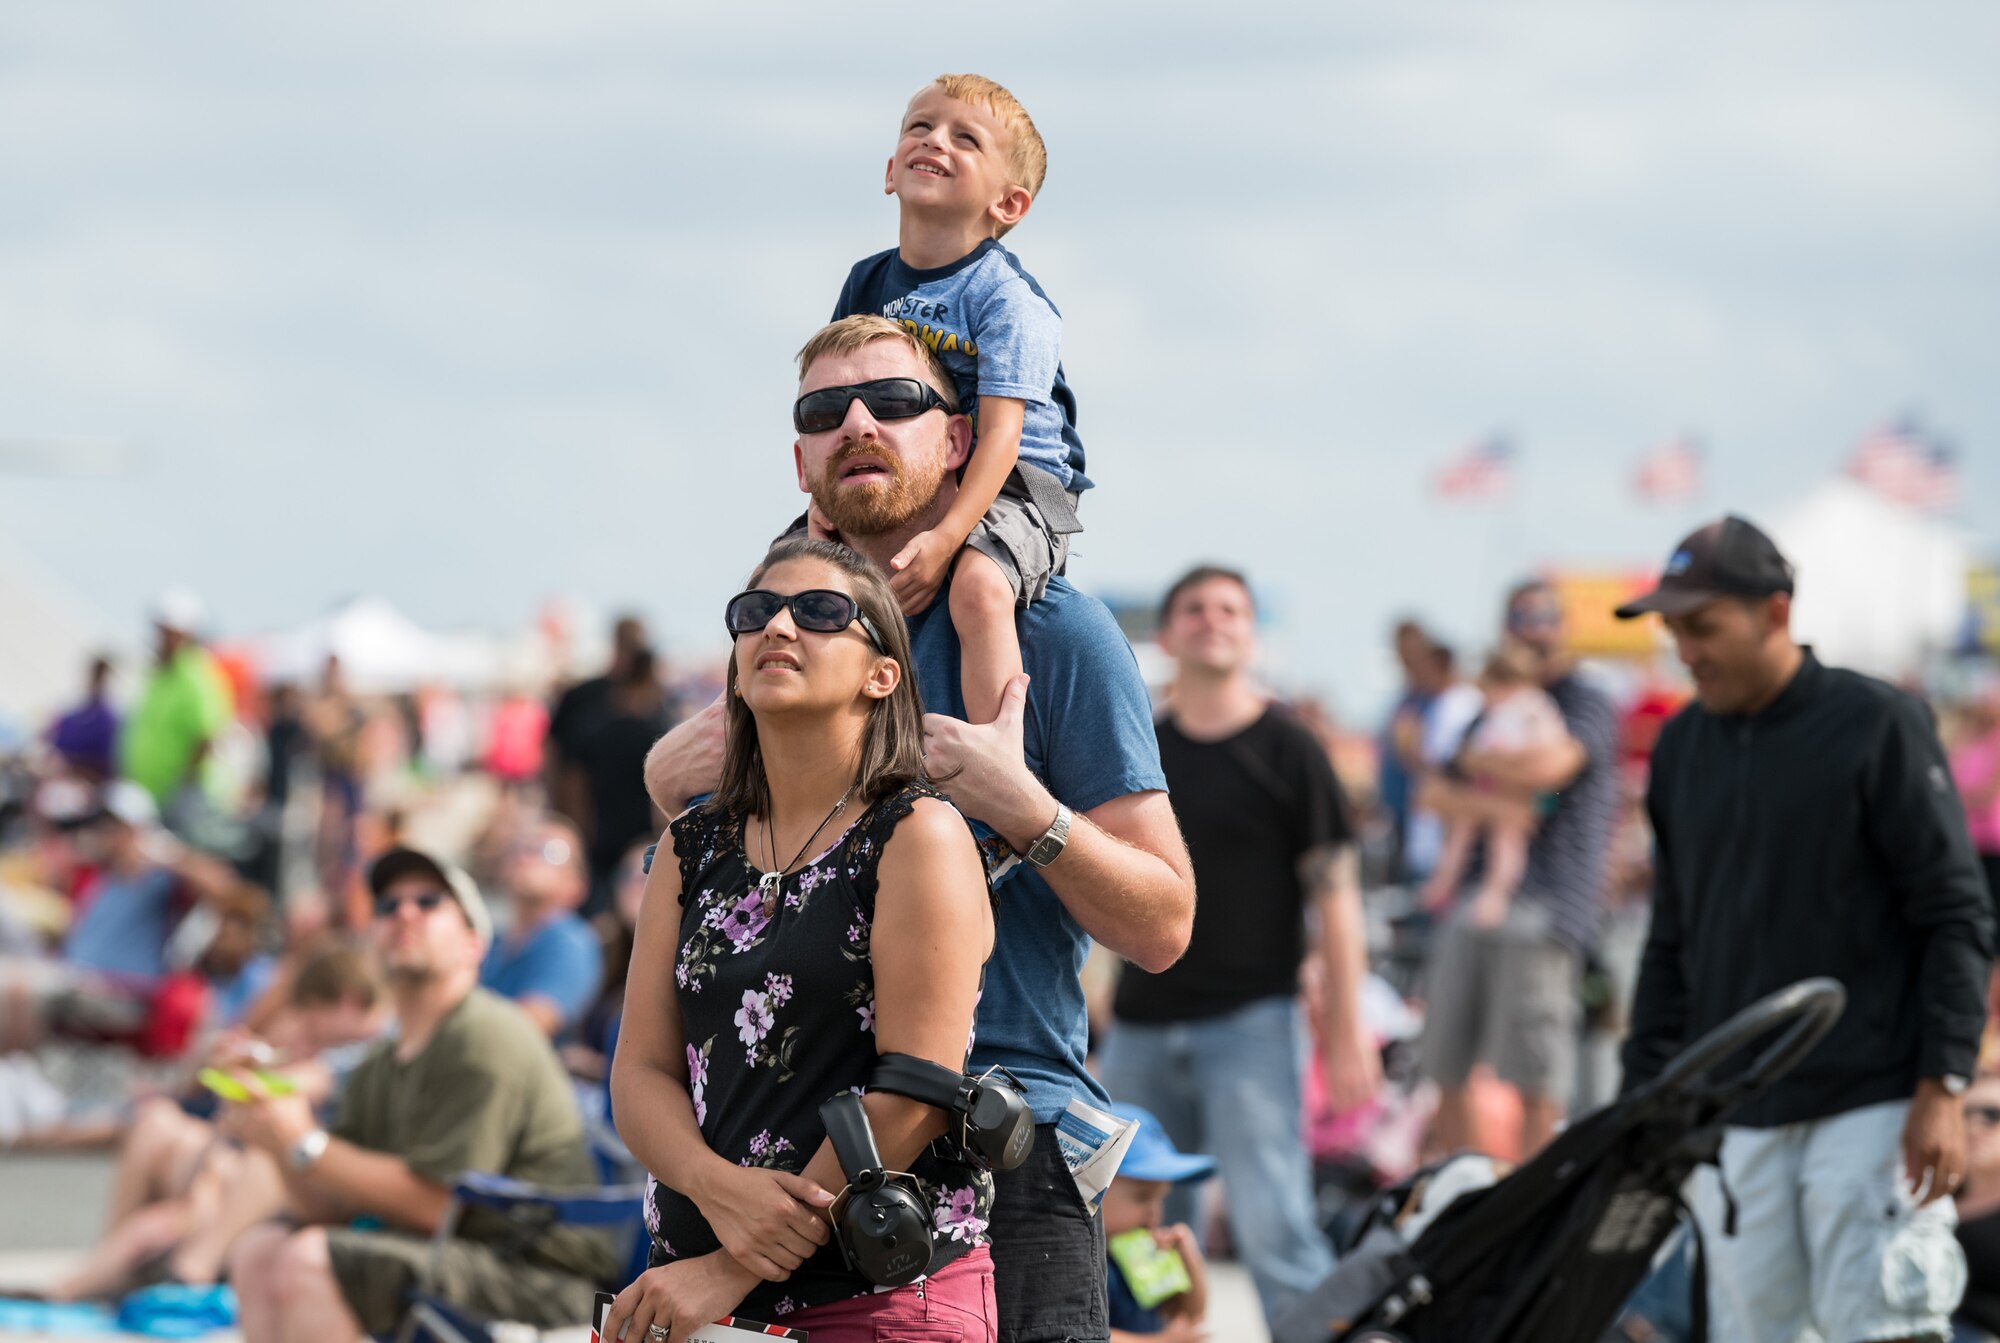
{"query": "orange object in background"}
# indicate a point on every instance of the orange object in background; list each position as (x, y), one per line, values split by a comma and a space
(1496, 1115)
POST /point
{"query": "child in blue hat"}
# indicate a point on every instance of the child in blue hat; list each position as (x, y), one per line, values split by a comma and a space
(1137, 1272)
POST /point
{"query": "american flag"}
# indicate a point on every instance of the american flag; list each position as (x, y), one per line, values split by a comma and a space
(1902, 462)
(1670, 473)
(1482, 471)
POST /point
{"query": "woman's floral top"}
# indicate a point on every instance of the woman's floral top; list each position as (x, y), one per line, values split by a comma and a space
(778, 1008)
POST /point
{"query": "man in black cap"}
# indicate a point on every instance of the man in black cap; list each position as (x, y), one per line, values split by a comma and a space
(1806, 824)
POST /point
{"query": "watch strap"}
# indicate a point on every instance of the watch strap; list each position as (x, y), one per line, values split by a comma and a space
(1046, 849)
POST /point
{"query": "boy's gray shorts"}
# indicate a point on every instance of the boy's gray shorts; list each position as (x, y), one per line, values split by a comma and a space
(1027, 531)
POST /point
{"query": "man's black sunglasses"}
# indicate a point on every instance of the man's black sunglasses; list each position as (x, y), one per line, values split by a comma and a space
(387, 905)
(886, 399)
(821, 610)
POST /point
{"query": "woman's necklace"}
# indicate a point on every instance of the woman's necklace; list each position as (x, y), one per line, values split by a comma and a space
(768, 883)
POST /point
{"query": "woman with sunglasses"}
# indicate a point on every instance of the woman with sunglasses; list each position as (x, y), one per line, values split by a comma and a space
(825, 906)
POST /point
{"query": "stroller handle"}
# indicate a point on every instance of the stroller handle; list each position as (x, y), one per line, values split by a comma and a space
(1799, 1016)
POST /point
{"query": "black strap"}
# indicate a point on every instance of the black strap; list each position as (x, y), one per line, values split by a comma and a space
(918, 1079)
(1698, 1275)
(853, 1140)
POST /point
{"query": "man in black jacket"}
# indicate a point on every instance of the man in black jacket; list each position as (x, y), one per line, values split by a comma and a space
(1806, 824)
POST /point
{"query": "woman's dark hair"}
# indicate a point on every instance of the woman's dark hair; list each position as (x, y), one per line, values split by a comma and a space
(892, 744)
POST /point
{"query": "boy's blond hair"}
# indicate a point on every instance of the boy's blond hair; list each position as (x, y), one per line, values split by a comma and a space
(851, 334)
(1027, 156)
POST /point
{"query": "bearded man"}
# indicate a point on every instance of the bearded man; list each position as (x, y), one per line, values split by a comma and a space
(1068, 776)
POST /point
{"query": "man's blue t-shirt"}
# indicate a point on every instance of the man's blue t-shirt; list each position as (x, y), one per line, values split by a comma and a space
(124, 928)
(996, 332)
(562, 961)
(1089, 738)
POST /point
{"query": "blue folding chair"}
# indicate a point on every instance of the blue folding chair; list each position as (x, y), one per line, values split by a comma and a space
(534, 1208)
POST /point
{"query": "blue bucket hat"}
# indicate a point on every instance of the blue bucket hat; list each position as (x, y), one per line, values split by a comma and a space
(1153, 1156)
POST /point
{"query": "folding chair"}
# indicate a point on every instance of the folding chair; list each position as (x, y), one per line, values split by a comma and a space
(533, 1209)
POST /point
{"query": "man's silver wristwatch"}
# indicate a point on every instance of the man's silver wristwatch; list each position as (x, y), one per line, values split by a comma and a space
(1050, 846)
(310, 1147)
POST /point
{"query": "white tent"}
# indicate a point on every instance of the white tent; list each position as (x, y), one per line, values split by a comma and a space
(1880, 585)
(381, 649)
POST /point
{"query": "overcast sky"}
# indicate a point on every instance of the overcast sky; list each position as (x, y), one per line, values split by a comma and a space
(468, 304)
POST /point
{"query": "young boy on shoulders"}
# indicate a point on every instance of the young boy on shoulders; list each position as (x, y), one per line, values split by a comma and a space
(967, 167)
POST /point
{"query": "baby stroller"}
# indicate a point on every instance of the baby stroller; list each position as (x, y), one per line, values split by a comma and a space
(1550, 1253)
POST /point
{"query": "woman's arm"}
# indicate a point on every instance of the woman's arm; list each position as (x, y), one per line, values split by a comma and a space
(765, 1219)
(932, 933)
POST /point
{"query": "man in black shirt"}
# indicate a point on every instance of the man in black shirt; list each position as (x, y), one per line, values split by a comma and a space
(1806, 824)
(1213, 1044)
(589, 767)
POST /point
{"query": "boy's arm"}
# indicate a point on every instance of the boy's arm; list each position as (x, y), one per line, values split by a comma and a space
(919, 568)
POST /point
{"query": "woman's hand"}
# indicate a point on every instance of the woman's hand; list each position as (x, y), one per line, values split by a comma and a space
(770, 1221)
(679, 1298)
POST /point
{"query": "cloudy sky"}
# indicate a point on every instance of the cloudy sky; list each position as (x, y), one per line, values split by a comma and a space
(472, 303)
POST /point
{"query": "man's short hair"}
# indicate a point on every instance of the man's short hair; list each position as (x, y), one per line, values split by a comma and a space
(1195, 577)
(849, 335)
(335, 976)
(1528, 587)
(1027, 156)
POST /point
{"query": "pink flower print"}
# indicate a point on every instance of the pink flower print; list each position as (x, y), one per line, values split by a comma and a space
(779, 987)
(753, 1020)
(698, 1082)
(785, 1306)
(867, 1014)
(957, 1216)
(746, 922)
(652, 1208)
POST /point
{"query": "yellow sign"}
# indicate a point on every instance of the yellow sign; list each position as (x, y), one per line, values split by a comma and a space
(1982, 605)
(1588, 600)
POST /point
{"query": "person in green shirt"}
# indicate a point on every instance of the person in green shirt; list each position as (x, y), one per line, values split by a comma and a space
(185, 705)
(469, 1083)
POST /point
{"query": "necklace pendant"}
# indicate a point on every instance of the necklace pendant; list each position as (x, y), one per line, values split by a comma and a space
(767, 884)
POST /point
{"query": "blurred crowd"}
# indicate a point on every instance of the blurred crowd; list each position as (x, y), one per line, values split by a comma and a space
(199, 888)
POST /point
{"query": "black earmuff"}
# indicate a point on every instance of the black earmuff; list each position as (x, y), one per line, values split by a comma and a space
(994, 1121)
(882, 1225)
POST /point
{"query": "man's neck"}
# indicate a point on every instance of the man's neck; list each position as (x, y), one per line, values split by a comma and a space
(926, 241)
(421, 1007)
(883, 547)
(530, 915)
(1209, 705)
(1786, 666)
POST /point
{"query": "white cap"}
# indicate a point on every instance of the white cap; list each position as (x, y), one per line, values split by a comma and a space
(179, 610)
(129, 802)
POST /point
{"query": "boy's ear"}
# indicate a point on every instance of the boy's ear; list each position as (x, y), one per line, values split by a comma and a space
(889, 176)
(1011, 208)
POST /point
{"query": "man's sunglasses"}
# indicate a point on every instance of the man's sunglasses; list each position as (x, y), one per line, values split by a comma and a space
(886, 399)
(387, 906)
(821, 610)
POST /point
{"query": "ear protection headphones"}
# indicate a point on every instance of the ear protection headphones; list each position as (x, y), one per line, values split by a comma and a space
(994, 1121)
(882, 1225)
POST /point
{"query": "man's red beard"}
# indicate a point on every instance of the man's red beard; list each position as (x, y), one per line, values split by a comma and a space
(887, 502)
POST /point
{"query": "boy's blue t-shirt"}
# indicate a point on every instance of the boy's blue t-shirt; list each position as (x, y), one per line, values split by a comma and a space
(1126, 1313)
(997, 333)
(1089, 737)
(562, 961)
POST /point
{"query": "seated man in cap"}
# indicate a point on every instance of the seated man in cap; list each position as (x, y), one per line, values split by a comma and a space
(468, 1084)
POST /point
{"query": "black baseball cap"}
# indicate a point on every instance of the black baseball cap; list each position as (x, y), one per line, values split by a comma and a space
(1729, 558)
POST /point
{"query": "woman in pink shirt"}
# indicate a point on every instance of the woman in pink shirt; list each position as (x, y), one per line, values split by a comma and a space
(1975, 768)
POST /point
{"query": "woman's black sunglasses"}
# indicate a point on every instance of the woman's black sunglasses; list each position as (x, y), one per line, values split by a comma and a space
(821, 610)
(886, 399)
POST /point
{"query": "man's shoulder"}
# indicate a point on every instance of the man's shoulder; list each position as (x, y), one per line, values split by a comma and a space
(1064, 623)
(1584, 707)
(489, 1033)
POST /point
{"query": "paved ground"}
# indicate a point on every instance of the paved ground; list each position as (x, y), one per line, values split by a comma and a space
(51, 1207)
